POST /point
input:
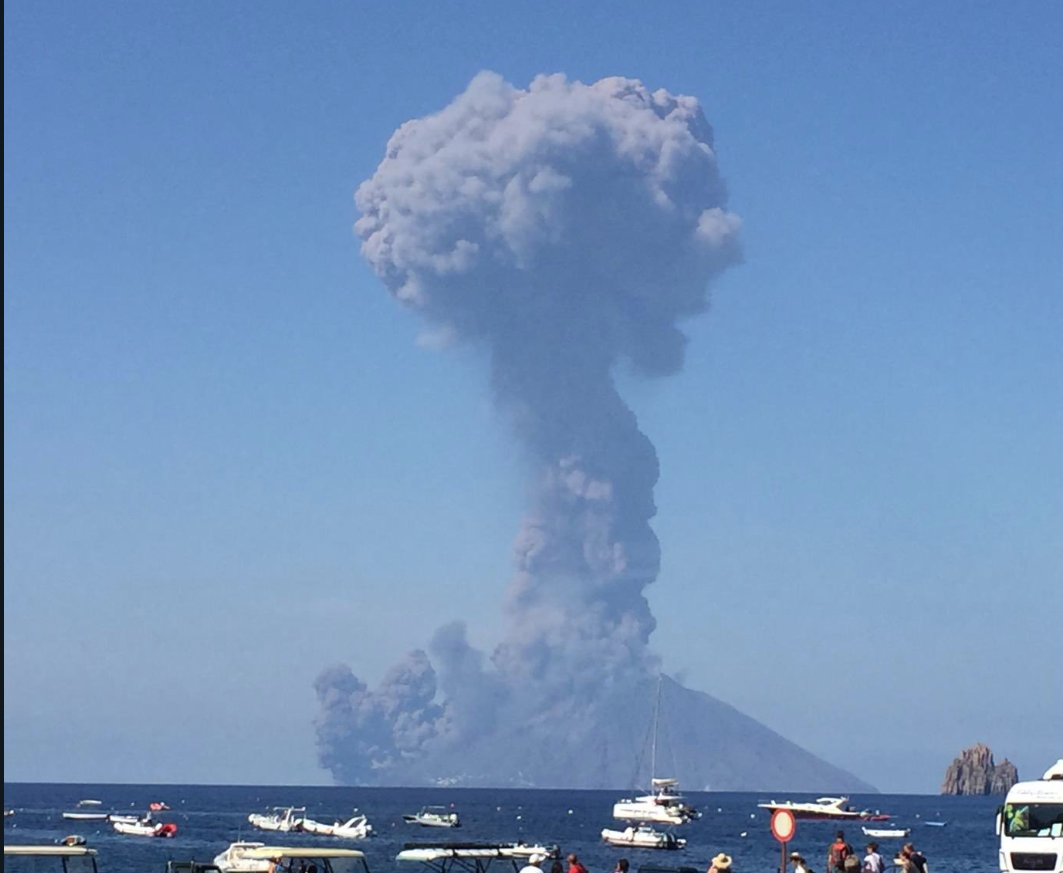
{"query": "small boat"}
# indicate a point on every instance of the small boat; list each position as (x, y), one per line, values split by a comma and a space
(434, 817)
(935, 824)
(824, 808)
(232, 860)
(125, 819)
(90, 803)
(85, 816)
(355, 828)
(8, 813)
(157, 806)
(282, 818)
(145, 828)
(643, 837)
(886, 833)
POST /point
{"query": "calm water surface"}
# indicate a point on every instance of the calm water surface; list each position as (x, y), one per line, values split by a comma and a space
(210, 817)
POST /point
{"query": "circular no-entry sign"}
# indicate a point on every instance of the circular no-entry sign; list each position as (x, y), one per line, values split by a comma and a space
(783, 825)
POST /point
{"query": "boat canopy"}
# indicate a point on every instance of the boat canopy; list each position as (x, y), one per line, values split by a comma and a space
(664, 783)
(273, 853)
(39, 859)
(51, 851)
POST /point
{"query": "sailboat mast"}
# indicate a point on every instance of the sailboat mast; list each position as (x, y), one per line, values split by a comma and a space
(656, 716)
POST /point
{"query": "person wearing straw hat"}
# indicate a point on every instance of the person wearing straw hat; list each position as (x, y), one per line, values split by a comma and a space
(720, 864)
(534, 864)
(799, 863)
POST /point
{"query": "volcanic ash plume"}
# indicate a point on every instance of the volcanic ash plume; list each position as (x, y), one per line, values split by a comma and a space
(563, 228)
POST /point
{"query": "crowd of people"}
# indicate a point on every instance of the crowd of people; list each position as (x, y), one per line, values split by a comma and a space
(841, 858)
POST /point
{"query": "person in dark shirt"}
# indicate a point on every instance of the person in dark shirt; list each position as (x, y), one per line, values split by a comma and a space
(917, 859)
(838, 851)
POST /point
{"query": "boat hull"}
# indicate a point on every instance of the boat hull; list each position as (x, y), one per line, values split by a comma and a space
(887, 833)
(641, 839)
(633, 811)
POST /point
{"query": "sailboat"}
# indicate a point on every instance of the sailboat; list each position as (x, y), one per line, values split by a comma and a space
(663, 804)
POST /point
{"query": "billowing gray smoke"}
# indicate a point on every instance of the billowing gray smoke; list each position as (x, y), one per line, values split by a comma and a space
(564, 228)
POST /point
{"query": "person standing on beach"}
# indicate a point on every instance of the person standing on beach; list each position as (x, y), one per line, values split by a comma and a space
(574, 865)
(873, 861)
(721, 864)
(837, 853)
(917, 859)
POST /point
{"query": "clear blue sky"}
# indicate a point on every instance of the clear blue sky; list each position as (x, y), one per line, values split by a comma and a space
(227, 463)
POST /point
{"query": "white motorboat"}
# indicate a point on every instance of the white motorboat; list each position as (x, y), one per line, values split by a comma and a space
(90, 803)
(8, 813)
(355, 828)
(281, 818)
(145, 828)
(434, 817)
(232, 860)
(85, 816)
(125, 819)
(471, 857)
(643, 837)
(824, 808)
(886, 833)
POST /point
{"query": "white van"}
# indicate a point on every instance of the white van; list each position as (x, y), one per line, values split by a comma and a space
(1030, 825)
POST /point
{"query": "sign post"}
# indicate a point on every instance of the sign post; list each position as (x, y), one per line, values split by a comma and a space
(783, 826)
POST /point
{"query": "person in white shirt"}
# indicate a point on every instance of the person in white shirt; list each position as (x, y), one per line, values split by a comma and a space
(534, 863)
(873, 861)
(799, 863)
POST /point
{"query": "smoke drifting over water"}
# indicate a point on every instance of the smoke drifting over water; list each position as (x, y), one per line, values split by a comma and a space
(564, 228)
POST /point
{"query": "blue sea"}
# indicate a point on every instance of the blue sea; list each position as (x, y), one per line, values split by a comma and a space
(210, 817)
